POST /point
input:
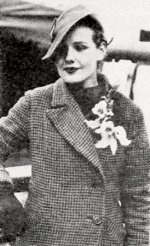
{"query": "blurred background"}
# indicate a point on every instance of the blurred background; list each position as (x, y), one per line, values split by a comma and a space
(24, 39)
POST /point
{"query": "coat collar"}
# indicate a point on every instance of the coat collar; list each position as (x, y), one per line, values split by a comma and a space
(62, 96)
(69, 121)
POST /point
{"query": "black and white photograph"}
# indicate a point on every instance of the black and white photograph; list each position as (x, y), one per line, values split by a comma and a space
(75, 123)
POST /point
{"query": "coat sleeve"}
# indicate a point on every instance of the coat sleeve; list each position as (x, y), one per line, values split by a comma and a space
(13, 129)
(135, 196)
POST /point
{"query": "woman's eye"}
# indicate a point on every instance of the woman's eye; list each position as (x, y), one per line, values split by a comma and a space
(80, 47)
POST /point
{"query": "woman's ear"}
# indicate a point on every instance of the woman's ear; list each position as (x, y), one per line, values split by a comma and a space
(102, 51)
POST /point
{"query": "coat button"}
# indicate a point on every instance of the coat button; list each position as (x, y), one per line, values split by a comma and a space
(96, 219)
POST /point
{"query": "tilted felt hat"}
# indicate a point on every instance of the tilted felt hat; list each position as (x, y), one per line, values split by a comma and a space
(65, 21)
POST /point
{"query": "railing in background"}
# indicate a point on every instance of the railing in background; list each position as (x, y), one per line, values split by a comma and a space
(20, 176)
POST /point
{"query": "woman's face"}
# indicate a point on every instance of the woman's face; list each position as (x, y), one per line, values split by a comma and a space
(78, 58)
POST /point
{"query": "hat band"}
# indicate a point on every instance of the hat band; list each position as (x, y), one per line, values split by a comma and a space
(52, 31)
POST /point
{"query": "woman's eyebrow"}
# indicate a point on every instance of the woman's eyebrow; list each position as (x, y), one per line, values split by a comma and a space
(80, 42)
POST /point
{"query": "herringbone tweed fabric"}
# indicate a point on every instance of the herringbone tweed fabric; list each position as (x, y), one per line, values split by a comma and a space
(78, 195)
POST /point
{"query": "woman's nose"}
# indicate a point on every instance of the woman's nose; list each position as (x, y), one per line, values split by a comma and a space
(70, 55)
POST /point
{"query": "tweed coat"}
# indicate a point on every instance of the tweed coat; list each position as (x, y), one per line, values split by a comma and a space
(78, 195)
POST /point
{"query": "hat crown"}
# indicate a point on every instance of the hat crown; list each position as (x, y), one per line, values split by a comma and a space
(71, 16)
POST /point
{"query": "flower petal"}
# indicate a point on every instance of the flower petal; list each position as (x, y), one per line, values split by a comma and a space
(110, 104)
(121, 135)
(113, 144)
(103, 143)
(106, 128)
(109, 113)
(99, 130)
(93, 124)
(100, 109)
(104, 98)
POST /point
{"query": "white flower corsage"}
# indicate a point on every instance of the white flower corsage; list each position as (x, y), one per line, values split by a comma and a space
(104, 126)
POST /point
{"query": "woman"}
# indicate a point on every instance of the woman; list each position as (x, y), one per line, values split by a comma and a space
(88, 148)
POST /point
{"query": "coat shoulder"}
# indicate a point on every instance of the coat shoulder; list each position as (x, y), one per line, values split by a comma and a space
(40, 96)
(41, 91)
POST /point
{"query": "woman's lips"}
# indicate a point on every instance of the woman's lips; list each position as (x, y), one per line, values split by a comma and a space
(71, 69)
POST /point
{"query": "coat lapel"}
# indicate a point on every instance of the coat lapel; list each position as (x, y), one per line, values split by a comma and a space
(69, 121)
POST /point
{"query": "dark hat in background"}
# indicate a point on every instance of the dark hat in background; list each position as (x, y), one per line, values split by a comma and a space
(63, 24)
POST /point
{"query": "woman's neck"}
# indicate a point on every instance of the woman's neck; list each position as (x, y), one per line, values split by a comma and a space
(90, 82)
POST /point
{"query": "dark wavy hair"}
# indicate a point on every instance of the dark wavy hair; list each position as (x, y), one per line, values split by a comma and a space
(94, 25)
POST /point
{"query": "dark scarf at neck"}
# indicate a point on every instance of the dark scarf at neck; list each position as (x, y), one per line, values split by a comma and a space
(88, 97)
